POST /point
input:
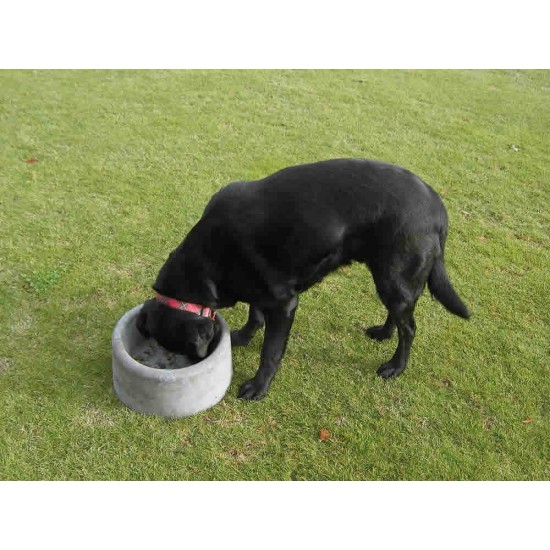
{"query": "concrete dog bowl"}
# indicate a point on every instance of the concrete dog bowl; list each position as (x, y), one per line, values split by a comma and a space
(169, 392)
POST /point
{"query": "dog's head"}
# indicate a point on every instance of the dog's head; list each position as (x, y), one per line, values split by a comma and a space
(178, 331)
(185, 276)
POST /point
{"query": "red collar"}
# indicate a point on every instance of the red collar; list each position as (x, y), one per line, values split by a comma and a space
(186, 306)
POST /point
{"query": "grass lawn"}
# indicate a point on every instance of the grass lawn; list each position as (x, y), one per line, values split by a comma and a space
(124, 163)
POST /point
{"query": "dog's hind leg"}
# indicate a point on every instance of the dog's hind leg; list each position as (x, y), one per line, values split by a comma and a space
(278, 322)
(399, 285)
(381, 332)
(255, 322)
(402, 312)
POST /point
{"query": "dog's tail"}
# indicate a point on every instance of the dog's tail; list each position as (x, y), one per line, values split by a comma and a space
(441, 288)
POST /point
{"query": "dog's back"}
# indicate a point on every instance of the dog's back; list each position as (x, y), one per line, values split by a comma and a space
(306, 220)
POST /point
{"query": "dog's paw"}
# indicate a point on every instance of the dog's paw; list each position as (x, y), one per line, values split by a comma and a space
(389, 370)
(379, 332)
(239, 338)
(252, 389)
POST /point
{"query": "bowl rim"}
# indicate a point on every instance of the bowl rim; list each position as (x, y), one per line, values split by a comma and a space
(124, 358)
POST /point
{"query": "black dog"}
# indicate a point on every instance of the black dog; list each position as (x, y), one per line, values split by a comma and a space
(264, 242)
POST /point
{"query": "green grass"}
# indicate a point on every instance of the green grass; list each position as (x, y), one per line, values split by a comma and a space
(126, 163)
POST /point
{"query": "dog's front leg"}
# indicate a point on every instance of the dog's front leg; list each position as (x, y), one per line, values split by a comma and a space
(255, 322)
(278, 322)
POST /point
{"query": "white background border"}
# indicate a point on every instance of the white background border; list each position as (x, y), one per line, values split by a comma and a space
(293, 515)
(282, 34)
